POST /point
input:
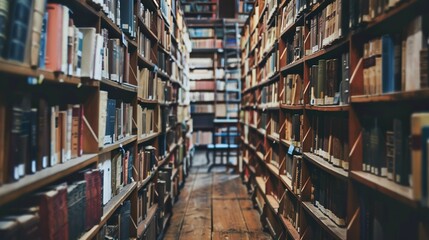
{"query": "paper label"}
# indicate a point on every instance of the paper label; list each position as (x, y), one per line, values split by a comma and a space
(33, 166)
(290, 150)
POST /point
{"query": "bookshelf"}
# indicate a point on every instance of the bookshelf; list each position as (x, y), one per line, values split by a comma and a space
(95, 119)
(328, 114)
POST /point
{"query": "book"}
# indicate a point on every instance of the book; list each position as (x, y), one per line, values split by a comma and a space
(19, 32)
(36, 31)
(4, 16)
(54, 52)
(418, 121)
(88, 51)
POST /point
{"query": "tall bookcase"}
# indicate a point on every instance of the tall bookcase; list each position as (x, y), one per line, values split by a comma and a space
(114, 121)
(333, 116)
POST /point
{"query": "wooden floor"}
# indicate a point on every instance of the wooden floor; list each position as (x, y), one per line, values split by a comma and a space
(214, 206)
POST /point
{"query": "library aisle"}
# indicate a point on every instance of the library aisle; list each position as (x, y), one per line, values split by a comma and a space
(214, 205)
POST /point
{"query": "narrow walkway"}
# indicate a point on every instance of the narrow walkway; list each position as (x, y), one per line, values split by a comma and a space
(214, 206)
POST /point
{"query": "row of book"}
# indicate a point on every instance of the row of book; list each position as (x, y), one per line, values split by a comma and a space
(269, 94)
(116, 120)
(144, 46)
(73, 51)
(387, 151)
(183, 113)
(268, 39)
(363, 12)
(294, 129)
(163, 61)
(293, 171)
(331, 140)
(291, 12)
(202, 96)
(376, 221)
(201, 74)
(146, 121)
(329, 81)
(396, 62)
(200, 108)
(203, 85)
(201, 32)
(329, 195)
(116, 170)
(120, 12)
(293, 90)
(118, 225)
(202, 138)
(207, 43)
(328, 25)
(398, 151)
(200, 62)
(149, 18)
(146, 199)
(289, 209)
(40, 135)
(294, 47)
(62, 211)
(196, 7)
(270, 67)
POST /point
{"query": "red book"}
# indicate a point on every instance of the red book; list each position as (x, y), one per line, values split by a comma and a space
(48, 226)
(54, 31)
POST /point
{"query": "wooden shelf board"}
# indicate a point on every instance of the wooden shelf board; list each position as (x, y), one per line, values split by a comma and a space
(337, 232)
(20, 69)
(388, 187)
(298, 64)
(147, 101)
(267, 81)
(261, 184)
(292, 27)
(117, 144)
(392, 97)
(276, 139)
(289, 227)
(287, 144)
(329, 108)
(274, 170)
(291, 107)
(142, 226)
(145, 62)
(287, 182)
(147, 180)
(148, 137)
(326, 166)
(109, 209)
(267, 53)
(119, 86)
(269, 106)
(403, 7)
(30, 183)
(163, 75)
(274, 204)
(332, 47)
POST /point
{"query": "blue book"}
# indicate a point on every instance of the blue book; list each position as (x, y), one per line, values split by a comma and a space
(42, 51)
(19, 22)
(388, 67)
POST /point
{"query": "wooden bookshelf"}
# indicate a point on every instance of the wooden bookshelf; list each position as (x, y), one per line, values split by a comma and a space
(331, 128)
(168, 34)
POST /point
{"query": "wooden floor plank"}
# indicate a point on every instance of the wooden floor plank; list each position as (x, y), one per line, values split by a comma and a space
(197, 225)
(230, 236)
(251, 216)
(227, 216)
(217, 199)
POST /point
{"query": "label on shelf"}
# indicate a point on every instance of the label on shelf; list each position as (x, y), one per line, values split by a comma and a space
(290, 150)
